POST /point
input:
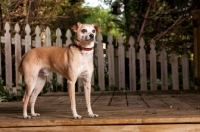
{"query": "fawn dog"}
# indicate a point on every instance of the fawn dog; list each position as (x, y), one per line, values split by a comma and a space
(74, 61)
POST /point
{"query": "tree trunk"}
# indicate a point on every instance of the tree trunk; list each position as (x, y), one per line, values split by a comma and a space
(196, 21)
(1, 21)
(127, 7)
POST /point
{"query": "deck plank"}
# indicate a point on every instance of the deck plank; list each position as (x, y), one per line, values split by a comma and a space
(118, 99)
(145, 110)
(103, 99)
(152, 101)
(119, 128)
(135, 100)
(173, 101)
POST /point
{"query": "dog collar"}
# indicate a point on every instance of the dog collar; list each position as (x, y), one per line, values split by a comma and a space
(83, 48)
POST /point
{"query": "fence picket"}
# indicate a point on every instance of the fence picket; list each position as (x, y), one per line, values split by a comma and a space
(111, 67)
(27, 38)
(68, 42)
(175, 75)
(101, 77)
(48, 43)
(58, 37)
(8, 58)
(68, 35)
(132, 64)
(59, 44)
(153, 66)
(47, 37)
(37, 37)
(17, 57)
(164, 71)
(121, 63)
(185, 70)
(143, 73)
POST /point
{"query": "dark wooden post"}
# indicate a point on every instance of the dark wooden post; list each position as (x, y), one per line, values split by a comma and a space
(196, 21)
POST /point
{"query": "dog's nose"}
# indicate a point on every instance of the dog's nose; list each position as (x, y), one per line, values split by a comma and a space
(91, 36)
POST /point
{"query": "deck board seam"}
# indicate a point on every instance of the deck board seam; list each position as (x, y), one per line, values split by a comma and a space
(111, 98)
(97, 97)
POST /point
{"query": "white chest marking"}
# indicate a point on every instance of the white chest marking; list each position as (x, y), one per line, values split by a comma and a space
(85, 69)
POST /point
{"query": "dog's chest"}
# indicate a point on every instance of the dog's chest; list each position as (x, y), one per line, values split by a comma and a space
(85, 63)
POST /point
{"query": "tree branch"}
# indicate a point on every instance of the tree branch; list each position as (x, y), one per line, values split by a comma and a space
(28, 13)
(52, 12)
(167, 30)
(144, 23)
(162, 13)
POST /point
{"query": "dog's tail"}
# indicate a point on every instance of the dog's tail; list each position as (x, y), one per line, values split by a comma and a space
(20, 69)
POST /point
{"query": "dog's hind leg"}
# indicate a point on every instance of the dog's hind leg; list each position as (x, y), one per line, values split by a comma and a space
(38, 87)
(30, 85)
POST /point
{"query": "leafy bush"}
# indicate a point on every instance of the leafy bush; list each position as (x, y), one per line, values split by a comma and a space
(5, 96)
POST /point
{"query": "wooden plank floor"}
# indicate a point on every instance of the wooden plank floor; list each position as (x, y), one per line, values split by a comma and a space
(119, 111)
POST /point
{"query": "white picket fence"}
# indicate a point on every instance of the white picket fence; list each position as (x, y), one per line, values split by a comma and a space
(115, 60)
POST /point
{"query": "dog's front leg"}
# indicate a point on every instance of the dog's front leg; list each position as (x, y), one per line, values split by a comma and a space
(87, 89)
(71, 90)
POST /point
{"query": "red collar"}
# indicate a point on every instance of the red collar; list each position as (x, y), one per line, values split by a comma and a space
(83, 48)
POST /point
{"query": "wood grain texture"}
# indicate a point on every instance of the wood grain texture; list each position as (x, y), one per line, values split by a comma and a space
(164, 70)
(119, 128)
(101, 63)
(185, 70)
(175, 75)
(17, 57)
(132, 64)
(153, 66)
(121, 63)
(8, 58)
(111, 62)
(143, 70)
(168, 111)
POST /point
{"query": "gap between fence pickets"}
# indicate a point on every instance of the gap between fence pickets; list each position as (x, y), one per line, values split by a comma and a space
(118, 78)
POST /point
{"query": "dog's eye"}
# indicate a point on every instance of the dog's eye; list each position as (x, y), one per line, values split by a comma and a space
(93, 31)
(84, 30)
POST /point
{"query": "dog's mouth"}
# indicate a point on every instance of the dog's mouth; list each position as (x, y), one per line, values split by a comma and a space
(91, 39)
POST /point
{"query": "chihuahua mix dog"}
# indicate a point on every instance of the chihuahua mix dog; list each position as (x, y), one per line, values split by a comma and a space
(74, 61)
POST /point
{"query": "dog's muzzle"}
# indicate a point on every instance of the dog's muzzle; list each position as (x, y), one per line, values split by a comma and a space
(91, 36)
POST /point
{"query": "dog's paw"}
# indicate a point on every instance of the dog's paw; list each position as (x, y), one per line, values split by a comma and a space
(77, 117)
(93, 115)
(35, 114)
(27, 117)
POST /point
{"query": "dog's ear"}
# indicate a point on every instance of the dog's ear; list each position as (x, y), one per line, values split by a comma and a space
(97, 28)
(75, 27)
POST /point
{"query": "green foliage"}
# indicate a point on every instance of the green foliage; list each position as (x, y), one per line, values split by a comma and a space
(5, 96)
(1, 86)
(54, 83)
(169, 22)
(111, 88)
(52, 13)
(124, 89)
(103, 18)
(56, 14)
(22, 85)
(96, 87)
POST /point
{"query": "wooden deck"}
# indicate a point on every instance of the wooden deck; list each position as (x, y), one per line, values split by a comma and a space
(119, 111)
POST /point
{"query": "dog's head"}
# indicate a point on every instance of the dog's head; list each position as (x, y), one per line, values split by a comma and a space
(85, 34)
